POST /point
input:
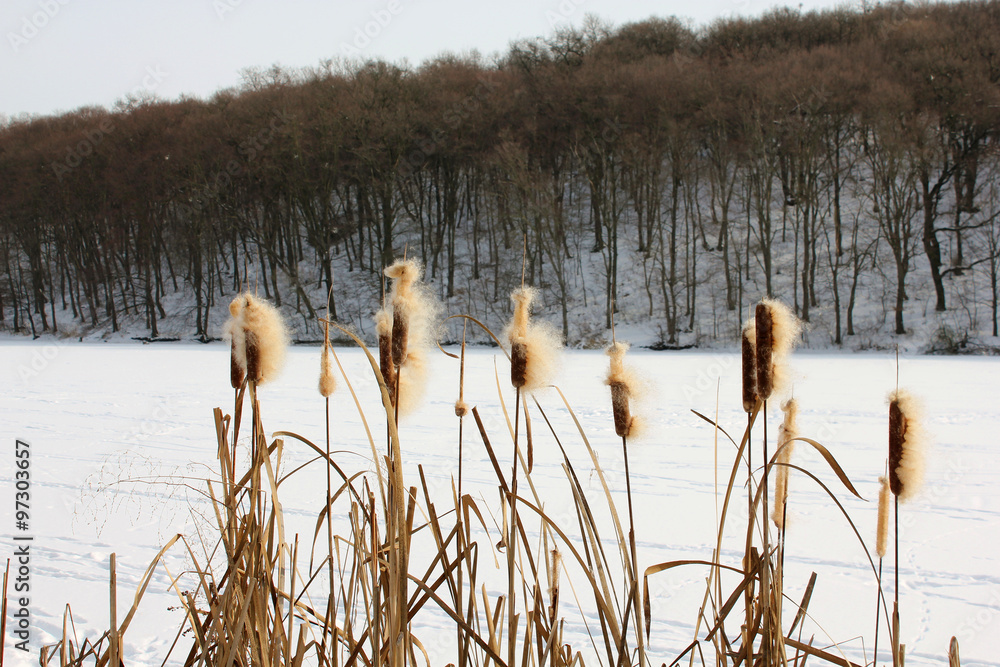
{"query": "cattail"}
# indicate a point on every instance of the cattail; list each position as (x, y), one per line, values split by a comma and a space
(410, 323)
(383, 327)
(237, 350)
(749, 365)
(787, 433)
(623, 386)
(882, 530)
(404, 274)
(906, 445)
(259, 339)
(534, 346)
(776, 328)
(327, 382)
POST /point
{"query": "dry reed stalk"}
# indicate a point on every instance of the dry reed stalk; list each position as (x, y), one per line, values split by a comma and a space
(906, 474)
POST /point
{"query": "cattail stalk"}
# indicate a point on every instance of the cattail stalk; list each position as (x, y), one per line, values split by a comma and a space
(327, 385)
(775, 328)
(881, 545)
(461, 410)
(906, 471)
(623, 385)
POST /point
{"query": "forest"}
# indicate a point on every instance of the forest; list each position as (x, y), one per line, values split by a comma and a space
(844, 161)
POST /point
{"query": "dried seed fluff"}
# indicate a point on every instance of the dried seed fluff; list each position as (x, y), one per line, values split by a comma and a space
(413, 313)
(259, 338)
(882, 529)
(787, 432)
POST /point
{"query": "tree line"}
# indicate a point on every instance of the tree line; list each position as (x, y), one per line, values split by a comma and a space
(803, 155)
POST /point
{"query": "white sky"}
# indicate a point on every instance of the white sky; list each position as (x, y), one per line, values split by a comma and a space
(58, 55)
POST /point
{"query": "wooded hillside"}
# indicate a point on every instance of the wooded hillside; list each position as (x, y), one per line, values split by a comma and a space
(821, 157)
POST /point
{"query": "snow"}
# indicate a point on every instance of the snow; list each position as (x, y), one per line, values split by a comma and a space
(122, 438)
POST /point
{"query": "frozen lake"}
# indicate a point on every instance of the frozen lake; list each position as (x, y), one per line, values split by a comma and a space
(122, 435)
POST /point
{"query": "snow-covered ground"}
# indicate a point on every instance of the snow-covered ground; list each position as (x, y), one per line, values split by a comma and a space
(121, 437)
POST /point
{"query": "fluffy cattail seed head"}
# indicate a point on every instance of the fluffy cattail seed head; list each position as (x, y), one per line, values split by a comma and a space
(413, 310)
(461, 408)
(906, 445)
(622, 385)
(749, 365)
(787, 433)
(327, 382)
(776, 329)
(882, 530)
(259, 339)
(404, 274)
(534, 345)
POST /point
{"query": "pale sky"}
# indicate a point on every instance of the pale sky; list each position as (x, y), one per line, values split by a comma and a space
(59, 55)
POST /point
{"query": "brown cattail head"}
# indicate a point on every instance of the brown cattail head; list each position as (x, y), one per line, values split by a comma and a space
(327, 382)
(776, 329)
(461, 408)
(236, 376)
(623, 385)
(906, 445)
(383, 327)
(749, 365)
(259, 339)
(518, 363)
(787, 433)
(400, 333)
(764, 339)
(254, 371)
(534, 346)
(882, 530)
